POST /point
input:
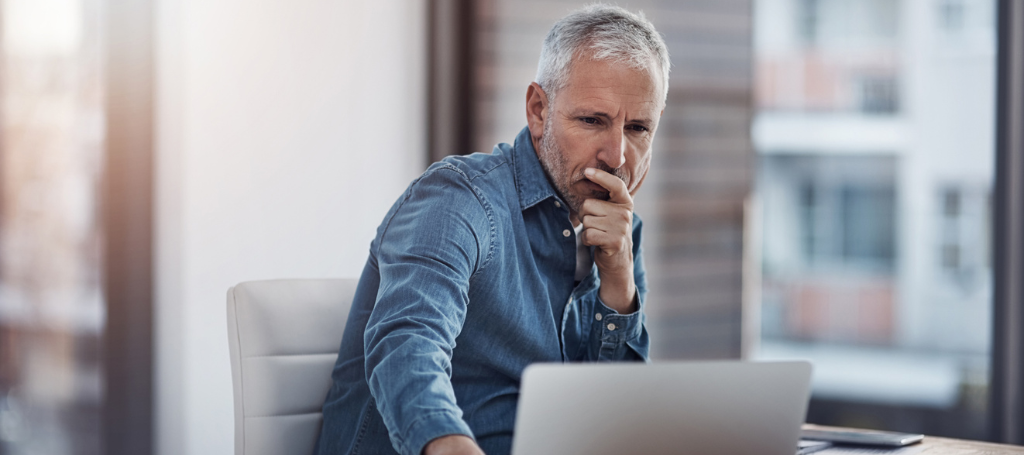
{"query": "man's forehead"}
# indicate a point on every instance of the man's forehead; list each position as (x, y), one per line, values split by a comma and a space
(611, 101)
(594, 81)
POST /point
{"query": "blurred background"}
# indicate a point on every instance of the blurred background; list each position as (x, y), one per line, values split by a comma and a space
(822, 189)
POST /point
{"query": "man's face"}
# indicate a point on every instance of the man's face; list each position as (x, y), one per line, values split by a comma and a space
(605, 118)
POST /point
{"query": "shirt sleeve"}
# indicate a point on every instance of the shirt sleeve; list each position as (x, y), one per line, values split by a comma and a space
(615, 336)
(434, 242)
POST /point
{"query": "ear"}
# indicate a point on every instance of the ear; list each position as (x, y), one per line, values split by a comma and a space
(536, 109)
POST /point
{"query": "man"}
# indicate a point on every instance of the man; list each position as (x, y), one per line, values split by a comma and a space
(489, 263)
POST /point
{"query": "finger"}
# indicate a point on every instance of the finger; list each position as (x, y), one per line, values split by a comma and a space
(617, 191)
(601, 234)
(608, 243)
(608, 215)
(591, 236)
(617, 222)
(596, 208)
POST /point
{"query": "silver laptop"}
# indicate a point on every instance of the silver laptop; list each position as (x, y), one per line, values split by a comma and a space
(699, 408)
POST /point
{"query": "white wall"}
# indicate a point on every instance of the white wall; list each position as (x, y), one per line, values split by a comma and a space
(285, 130)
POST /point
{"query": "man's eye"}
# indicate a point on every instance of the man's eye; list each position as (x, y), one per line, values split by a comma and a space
(639, 128)
(589, 120)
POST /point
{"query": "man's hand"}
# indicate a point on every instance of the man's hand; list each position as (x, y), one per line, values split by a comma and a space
(608, 226)
(453, 444)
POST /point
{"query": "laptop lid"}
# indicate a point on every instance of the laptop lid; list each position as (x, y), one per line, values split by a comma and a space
(699, 408)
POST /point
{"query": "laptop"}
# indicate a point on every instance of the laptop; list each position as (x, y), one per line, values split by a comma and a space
(698, 408)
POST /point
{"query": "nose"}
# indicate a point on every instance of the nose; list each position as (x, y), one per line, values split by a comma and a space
(613, 150)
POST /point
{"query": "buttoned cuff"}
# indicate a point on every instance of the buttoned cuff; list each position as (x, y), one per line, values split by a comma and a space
(619, 328)
(429, 427)
(617, 332)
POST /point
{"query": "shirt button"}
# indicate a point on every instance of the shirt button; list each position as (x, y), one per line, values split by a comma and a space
(566, 233)
(598, 316)
(558, 204)
(611, 327)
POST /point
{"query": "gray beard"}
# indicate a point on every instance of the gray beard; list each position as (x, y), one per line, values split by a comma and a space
(556, 166)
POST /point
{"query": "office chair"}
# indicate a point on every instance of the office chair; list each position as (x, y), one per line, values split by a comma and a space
(283, 336)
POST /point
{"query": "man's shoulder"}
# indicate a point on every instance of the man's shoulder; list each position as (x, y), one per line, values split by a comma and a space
(486, 174)
(476, 165)
(458, 180)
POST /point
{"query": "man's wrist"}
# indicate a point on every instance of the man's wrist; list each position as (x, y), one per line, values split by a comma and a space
(621, 299)
(452, 444)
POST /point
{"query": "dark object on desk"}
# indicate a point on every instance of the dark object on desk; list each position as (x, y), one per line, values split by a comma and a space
(934, 445)
(806, 446)
(862, 437)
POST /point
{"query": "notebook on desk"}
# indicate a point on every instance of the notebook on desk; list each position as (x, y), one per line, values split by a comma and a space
(705, 408)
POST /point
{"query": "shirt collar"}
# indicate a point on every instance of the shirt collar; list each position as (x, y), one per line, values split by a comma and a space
(531, 180)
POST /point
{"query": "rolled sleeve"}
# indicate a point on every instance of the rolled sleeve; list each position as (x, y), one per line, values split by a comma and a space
(427, 253)
(428, 427)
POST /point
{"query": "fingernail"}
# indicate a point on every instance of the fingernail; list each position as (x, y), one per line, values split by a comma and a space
(589, 171)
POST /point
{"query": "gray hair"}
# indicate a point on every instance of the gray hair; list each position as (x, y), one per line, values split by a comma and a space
(606, 33)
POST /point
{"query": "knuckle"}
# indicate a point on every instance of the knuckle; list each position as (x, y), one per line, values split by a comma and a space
(588, 205)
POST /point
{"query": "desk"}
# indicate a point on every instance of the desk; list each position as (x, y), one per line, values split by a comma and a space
(944, 446)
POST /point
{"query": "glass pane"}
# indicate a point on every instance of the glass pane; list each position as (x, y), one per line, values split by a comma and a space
(874, 134)
(51, 307)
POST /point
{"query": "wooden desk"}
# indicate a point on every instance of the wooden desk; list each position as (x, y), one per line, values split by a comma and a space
(944, 446)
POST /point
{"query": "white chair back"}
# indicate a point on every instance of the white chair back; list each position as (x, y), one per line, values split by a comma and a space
(284, 337)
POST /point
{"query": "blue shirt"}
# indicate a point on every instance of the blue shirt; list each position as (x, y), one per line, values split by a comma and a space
(470, 279)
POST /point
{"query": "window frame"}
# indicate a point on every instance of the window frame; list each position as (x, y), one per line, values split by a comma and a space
(128, 354)
(1006, 390)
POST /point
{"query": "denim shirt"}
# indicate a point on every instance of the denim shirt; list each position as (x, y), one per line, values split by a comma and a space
(470, 279)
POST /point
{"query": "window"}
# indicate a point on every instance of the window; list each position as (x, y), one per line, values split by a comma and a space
(951, 15)
(964, 224)
(52, 314)
(876, 170)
